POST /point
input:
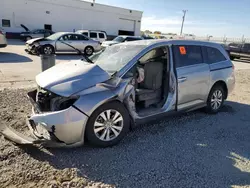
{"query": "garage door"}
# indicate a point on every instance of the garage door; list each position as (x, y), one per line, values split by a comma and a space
(127, 25)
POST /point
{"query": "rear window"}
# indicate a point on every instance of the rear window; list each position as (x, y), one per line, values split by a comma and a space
(213, 55)
(186, 55)
(101, 36)
(93, 35)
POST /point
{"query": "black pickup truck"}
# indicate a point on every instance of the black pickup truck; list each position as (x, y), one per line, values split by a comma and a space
(238, 50)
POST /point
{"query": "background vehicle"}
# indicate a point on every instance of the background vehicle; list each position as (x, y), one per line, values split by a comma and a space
(238, 50)
(100, 36)
(102, 99)
(55, 43)
(120, 39)
(3, 41)
(36, 33)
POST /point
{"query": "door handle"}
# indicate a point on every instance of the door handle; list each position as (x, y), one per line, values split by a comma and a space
(182, 79)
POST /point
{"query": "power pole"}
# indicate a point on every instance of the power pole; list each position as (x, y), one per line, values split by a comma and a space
(183, 19)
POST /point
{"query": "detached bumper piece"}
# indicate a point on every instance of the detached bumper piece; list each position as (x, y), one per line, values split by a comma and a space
(11, 134)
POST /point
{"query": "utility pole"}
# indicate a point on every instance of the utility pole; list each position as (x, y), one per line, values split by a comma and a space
(183, 19)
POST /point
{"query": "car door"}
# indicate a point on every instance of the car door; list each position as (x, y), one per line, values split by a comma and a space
(80, 41)
(93, 35)
(61, 47)
(192, 76)
(101, 37)
(245, 50)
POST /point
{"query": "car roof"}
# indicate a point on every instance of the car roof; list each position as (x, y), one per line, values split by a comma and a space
(86, 30)
(129, 36)
(174, 42)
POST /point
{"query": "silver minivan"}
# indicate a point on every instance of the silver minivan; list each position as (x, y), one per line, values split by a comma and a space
(125, 85)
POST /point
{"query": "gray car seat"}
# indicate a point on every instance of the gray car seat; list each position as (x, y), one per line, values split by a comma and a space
(150, 90)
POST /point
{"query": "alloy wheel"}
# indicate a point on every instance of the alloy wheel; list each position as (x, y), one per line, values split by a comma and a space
(108, 125)
(48, 50)
(217, 99)
(89, 51)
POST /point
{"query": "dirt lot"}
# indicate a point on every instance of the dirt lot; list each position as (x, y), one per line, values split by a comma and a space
(192, 150)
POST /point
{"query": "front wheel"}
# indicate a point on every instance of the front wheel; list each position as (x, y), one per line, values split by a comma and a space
(215, 99)
(108, 125)
(48, 50)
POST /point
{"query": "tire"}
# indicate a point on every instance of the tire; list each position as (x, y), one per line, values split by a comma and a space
(232, 57)
(96, 125)
(89, 50)
(47, 50)
(28, 38)
(214, 107)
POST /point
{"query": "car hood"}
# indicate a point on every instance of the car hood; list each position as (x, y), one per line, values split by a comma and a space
(108, 43)
(66, 79)
(35, 40)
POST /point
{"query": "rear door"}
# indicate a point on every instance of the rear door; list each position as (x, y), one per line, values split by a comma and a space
(79, 41)
(93, 35)
(193, 76)
(102, 36)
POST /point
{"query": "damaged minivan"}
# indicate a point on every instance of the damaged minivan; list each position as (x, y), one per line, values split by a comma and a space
(127, 84)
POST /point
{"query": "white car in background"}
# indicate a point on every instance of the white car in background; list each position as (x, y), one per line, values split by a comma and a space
(3, 41)
(97, 35)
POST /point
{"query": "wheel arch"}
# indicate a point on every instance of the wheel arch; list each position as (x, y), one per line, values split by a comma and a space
(224, 86)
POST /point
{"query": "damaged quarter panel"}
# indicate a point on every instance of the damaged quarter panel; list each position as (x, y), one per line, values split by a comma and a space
(67, 125)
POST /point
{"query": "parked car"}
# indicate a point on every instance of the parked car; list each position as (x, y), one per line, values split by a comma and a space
(238, 50)
(120, 39)
(100, 36)
(36, 33)
(102, 100)
(56, 43)
(3, 41)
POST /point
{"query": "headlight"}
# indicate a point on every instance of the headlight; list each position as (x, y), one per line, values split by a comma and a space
(62, 103)
(36, 44)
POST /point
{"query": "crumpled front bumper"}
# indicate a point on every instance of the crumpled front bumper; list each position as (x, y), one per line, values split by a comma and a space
(63, 128)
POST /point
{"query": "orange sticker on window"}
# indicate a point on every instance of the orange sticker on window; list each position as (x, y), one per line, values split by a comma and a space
(182, 50)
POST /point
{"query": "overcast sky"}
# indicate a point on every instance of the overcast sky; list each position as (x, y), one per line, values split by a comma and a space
(204, 17)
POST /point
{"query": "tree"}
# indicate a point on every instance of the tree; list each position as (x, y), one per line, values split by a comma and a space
(148, 32)
(157, 32)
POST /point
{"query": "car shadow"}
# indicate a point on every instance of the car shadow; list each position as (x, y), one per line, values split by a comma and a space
(243, 60)
(7, 57)
(191, 150)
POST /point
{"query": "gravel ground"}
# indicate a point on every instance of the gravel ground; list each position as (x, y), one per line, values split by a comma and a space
(191, 150)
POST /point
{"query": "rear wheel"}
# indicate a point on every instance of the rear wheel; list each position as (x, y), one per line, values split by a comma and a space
(89, 50)
(215, 99)
(108, 125)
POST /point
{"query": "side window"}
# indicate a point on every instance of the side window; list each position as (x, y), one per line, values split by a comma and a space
(213, 55)
(85, 33)
(185, 55)
(65, 37)
(5, 23)
(93, 35)
(101, 35)
(80, 37)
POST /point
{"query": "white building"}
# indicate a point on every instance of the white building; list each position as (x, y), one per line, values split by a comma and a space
(67, 15)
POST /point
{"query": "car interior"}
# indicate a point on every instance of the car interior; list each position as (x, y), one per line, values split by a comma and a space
(151, 92)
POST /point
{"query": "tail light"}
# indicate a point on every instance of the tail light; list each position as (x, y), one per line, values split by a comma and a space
(233, 67)
(1, 32)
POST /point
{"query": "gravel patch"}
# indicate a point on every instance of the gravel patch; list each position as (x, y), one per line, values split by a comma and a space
(191, 150)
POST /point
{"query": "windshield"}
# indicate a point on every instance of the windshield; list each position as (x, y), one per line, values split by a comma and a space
(114, 58)
(54, 36)
(119, 39)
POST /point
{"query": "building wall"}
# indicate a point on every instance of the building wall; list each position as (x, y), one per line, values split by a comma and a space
(66, 15)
